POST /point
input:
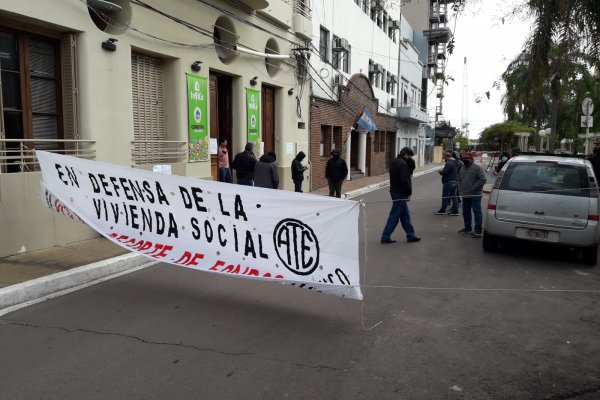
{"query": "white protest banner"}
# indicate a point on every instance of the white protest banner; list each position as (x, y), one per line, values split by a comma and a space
(299, 239)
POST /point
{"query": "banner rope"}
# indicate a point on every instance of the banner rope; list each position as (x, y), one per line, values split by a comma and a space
(365, 259)
(513, 193)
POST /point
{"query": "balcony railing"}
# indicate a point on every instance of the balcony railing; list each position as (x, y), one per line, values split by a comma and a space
(412, 112)
(18, 155)
(144, 152)
(302, 7)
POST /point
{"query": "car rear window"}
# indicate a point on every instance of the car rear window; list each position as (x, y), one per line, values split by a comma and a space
(546, 177)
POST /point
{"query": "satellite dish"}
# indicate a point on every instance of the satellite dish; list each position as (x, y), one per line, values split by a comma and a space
(104, 6)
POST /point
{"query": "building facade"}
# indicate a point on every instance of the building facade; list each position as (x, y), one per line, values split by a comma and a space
(112, 81)
(364, 57)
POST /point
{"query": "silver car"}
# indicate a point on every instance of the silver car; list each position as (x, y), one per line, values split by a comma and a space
(545, 198)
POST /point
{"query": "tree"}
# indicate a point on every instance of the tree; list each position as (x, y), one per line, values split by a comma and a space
(501, 136)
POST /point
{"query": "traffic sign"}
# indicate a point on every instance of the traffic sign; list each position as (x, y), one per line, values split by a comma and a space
(587, 122)
(587, 105)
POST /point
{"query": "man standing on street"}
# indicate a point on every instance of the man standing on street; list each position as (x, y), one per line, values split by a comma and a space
(298, 171)
(265, 171)
(400, 191)
(470, 187)
(336, 171)
(449, 185)
(594, 158)
(244, 163)
(223, 162)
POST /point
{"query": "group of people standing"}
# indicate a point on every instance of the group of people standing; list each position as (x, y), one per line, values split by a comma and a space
(263, 172)
(460, 177)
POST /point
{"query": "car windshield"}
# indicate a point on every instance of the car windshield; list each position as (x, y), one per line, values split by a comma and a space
(546, 177)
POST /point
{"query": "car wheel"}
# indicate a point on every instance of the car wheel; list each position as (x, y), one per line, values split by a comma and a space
(589, 255)
(490, 242)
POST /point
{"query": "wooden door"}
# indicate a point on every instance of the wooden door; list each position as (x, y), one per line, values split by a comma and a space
(220, 115)
(268, 118)
(214, 122)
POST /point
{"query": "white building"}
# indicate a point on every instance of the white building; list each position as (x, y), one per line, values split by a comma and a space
(369, 38)
(108, 80)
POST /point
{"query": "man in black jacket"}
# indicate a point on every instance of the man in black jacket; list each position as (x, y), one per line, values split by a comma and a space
(400, 191)
(336, 171)
(243, 164)
(298, 171)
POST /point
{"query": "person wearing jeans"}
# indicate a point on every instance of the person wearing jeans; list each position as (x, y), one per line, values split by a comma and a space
(471, 181)
(472, 204)
(449, 185)
(400, 191)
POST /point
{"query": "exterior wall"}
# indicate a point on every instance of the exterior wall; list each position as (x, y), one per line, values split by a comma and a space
(353, 99)
(105, 104)
(344, 18)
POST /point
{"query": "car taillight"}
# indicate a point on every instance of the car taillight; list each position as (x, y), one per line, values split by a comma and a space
(491, 206)
(593, 218)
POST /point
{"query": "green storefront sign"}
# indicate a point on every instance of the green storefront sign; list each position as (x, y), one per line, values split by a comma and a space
(253, 123)
(197, 119)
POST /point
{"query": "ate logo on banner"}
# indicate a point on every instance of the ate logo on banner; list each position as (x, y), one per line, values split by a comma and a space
(297, 246)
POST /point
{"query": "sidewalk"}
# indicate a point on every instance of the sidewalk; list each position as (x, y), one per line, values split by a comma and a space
(26, 277)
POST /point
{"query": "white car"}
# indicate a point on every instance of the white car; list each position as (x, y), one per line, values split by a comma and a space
(545, 198)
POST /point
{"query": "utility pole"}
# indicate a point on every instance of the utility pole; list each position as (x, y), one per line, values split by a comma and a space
(555, 90)
(465, 100)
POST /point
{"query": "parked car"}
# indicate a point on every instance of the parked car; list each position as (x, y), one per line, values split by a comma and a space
(545, 198)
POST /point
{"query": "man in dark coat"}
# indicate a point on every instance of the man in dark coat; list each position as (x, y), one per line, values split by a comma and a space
(336, 171)
(449, 185)
(265, 171)
(400, 191)
(298, 171)
(243, 164)
(594, 158)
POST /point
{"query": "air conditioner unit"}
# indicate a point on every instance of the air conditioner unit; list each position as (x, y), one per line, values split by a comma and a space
(375, 68)
(392, 102)
(341, 44)
(395, 24)
(393, 79)
(377, 5)
(338, 79)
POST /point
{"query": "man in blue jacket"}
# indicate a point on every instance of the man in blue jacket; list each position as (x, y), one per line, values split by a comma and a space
(449, 185)
(400, 191)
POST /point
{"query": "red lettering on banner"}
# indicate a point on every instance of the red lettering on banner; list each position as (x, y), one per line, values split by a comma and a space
(237, 270)
(154, 250)
(188, 259)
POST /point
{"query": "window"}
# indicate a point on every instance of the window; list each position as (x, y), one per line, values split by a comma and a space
(336, 54)
(365, 6)
(385, 21)
(31, 92)
(325, 144)
(357, 2)
(147, 77)
(382, 137)
(337, 138)
(388, 83)
(383, 82)
(324, 44)
(550, 178)
(346, 60)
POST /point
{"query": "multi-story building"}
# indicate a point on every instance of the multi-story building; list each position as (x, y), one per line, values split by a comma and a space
(113, 80)
(431, 18)
(364, 57)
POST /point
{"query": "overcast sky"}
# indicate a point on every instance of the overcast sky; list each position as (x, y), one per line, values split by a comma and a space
(489, 45)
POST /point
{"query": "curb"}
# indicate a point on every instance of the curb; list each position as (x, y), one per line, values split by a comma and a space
(386, 183)
(24, 292)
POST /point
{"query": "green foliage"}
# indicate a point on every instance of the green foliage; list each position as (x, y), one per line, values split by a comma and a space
(501, 136)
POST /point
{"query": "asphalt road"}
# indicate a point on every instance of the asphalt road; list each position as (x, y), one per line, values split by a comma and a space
(441, 319)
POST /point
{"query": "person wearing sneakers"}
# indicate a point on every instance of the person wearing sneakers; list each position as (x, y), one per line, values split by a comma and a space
(400, 191)
(449, 185)
(470, 186)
